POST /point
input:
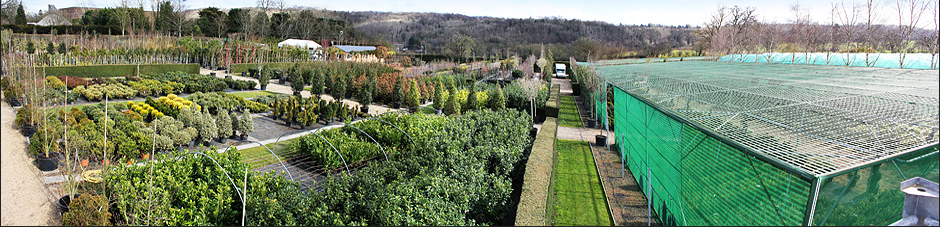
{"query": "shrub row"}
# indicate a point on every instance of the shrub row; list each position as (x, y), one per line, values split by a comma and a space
(533, 202)
(93, 71)
(554, 102)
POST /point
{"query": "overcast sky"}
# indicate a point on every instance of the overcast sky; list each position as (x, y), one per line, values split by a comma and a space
(669, 12)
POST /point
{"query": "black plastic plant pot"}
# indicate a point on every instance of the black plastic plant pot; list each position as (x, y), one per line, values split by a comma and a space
(47, 163)
(212, 73)
(29, 129)
(64, 202)
(592, 123)
(600, 140)
(534, 131)
(228, 77)
(244, 74)
(364, 109)
(264, 87)
(15, 102)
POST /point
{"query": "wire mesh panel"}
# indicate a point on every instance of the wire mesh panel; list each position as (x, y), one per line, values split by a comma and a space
(818, 119)
(691, 178)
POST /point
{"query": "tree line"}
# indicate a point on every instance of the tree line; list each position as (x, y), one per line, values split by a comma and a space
(853, 28)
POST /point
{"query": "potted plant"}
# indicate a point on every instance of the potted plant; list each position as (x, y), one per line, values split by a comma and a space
(25, 119)
(247, 125)
(365, 101)
(224, 122)
(41, 144)
(263, 80)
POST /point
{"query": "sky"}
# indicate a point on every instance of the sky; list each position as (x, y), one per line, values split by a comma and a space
(664, 12)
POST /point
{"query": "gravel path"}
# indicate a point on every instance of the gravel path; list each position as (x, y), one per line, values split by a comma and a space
(25, 200)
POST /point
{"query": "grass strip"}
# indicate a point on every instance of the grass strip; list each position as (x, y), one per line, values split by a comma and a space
(568, 115)
(579, 196)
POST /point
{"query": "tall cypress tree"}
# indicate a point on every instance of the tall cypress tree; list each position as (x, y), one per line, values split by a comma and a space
(472, 97)
(20, 16)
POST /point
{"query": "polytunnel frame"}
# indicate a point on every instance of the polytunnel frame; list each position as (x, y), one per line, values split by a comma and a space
(272, 153)
(815, 181)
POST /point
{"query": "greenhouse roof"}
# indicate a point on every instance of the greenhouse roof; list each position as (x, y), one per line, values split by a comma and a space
(819, 120)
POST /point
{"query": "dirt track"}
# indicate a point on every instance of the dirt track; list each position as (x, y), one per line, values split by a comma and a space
(25, 200)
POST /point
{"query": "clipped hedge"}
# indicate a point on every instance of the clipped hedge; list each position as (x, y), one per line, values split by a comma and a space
(93, 71)
(533, 202)
(554, 101)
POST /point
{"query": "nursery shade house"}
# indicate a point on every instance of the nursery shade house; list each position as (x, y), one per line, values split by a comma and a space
(728, 143)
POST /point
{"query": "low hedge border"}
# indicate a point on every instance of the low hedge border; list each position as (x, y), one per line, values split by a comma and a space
(533, 201)
(554, 101)
(95, 71)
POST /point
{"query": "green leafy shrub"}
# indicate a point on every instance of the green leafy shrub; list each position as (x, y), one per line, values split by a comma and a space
(97, 92)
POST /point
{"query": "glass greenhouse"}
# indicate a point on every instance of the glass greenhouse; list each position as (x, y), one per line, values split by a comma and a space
(730, 143)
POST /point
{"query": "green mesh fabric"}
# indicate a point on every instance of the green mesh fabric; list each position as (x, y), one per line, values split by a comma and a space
(871, 195)
(853, 133)
(694, 179)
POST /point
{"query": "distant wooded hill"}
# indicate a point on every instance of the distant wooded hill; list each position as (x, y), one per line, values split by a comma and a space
(497, 36)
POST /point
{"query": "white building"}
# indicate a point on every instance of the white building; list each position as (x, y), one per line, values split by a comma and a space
(309, 44)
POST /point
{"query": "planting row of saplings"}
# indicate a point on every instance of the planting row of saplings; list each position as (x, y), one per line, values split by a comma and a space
(448, 170)
(90, 50)
(53, 89)
(308, 111)
(129, 130)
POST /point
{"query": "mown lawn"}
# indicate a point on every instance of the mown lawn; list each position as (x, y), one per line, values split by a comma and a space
(252, 94)
(579, 196)
(568, 114)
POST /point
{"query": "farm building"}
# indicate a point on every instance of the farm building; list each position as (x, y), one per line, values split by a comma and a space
(730, 143)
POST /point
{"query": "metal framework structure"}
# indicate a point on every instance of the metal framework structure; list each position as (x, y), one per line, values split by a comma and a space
(817, 120)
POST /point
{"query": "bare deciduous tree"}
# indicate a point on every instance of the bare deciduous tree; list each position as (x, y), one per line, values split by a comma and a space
(848, 18)
(770, 37)
(872, 30)
(909, 12)
(709, 34)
